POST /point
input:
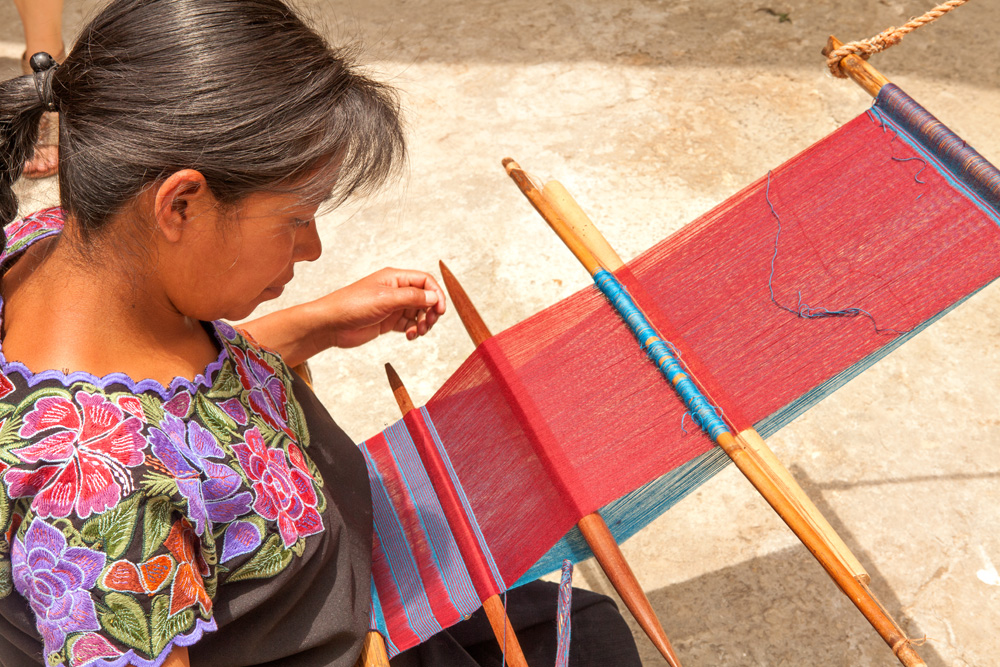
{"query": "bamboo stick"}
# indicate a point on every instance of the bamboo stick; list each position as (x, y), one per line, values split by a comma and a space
(857, 68)
(595, 531)
(766, 481)
(494, 607)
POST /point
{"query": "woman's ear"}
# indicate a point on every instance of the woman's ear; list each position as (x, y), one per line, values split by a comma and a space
(182, 197)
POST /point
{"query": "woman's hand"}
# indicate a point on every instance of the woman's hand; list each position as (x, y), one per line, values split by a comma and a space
(388, 300)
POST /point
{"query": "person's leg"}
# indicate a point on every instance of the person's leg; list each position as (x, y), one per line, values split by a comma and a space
(42, 21)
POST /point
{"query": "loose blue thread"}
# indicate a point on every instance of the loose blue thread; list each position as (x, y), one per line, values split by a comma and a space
(803, 309)
(874, 115)
(702, 412)
(563, 620)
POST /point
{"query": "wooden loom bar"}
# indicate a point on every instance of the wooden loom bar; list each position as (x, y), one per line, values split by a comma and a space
(758, 471)
(595, 531)
(581, 224)
(857, 68)
(493, 605)
(373, 651)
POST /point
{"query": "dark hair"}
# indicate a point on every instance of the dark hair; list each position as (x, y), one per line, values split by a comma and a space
(240, 90)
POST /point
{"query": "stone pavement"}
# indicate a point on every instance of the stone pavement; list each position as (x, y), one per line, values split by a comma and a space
(651, 112)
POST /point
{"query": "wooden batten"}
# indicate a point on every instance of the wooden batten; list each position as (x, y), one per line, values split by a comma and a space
(593, 527)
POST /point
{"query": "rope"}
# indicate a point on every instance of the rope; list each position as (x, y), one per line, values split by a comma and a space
(882, 41)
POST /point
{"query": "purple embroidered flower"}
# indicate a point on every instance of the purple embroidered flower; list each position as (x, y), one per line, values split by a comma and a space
(267, 390)
(209, 487)
(227, 331)
(235, 409)
(56, 581)
(283, 494)
(242, 537)
(89, 446)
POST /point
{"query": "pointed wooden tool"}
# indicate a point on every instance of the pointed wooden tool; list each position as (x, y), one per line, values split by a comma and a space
(764, 472)
(592, 526)
(373, 652)
(494, 607)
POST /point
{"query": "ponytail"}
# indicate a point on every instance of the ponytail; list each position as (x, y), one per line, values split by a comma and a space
(21, 110)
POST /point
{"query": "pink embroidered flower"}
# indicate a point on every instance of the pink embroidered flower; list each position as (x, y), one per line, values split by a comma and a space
(282, 493)
(6, 386)
(49, 219)
(88, 448)
(267, 390)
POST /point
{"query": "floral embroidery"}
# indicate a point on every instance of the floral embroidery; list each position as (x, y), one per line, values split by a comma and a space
(283, 494)
(188, 587)
(91, 446)
(209, 487)
(56, 581)
(119, 495)
(267, 391)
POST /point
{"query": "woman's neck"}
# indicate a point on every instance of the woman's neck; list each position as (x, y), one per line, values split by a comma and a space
(65, 314)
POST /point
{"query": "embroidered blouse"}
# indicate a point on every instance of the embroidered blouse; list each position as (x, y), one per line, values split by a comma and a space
(228, 513)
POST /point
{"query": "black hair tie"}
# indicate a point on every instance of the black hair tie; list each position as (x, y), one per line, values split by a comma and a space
(44, 66)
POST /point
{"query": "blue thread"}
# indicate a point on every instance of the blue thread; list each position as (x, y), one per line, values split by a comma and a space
(702, 412)
(563, 620)
(802, 309)
(916, 176)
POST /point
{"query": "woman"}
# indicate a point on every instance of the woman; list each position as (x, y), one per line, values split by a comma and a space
(171, 493)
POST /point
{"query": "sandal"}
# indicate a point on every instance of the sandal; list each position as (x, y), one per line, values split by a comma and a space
(45, 160)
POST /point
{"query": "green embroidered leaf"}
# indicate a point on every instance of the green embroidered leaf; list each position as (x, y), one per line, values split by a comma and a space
(114, 528)
(6, 582)
(165, 627)
(297, 422)
(9, 437)
(125, 620)
(269, 561)
(215, 419)
(152, 407)
(155, 524)
(4, 509)
(5, 409)
(299, 547)
(157, 484)
(227, 383)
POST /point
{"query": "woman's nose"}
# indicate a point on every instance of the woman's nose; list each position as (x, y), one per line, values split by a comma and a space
(308, 246)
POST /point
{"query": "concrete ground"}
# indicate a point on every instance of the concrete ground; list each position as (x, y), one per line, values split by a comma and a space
(650, 112)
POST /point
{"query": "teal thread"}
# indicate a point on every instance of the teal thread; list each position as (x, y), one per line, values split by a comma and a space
(702, 412)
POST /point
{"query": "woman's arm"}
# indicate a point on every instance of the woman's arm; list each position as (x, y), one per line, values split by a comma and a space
(388, 300)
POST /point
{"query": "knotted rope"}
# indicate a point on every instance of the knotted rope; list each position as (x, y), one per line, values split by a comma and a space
(882, 41)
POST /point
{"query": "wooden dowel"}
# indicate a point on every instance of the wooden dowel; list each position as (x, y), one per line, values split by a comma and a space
(767, 481)
(373, 651)
(565, 206)
(494, 607)
(857, 68)
(595, 531)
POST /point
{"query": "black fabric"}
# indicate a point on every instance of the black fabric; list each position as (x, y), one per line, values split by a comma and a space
(317, 615)
(600, 637)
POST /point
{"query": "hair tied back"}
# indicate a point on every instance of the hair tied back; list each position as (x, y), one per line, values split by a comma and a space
(44, 66)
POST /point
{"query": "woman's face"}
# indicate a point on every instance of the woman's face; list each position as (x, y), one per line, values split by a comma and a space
(235, 259)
